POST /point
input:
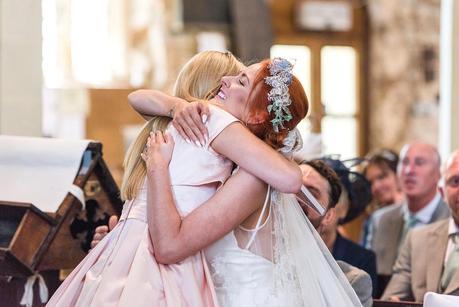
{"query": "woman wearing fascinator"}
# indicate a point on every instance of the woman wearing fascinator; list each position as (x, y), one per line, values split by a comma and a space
(261, 249)
(380, 169)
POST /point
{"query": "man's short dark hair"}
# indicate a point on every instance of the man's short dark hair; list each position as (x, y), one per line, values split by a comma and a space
(333, 180)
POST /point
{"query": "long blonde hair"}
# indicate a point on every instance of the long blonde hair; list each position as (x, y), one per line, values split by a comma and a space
(198, 79)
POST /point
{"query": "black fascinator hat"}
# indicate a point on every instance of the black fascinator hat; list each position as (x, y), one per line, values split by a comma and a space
(356, 185)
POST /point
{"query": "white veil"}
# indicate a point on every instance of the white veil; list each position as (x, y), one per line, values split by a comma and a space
(305, 272)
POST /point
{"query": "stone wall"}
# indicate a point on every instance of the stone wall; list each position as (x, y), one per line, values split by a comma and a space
(404, 71)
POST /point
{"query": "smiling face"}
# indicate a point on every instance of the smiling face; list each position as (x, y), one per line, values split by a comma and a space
(235, 90)
(246, 96)
(384, 184)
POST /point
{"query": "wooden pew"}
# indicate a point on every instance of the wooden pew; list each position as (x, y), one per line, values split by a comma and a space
(33, 241)
(380, 303)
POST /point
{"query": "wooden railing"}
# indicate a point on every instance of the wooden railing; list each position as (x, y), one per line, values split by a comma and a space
(380, 303)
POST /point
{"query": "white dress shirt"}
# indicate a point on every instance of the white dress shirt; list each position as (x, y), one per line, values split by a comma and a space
(424, 215)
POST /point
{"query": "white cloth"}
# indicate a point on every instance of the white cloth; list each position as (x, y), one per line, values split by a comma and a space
(306, 273)
(286, 265)
(39, 171)
(27, 297)
(432, 299)
(242, 270)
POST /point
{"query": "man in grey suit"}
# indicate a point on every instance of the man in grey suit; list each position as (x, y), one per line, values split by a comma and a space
(419, 173)
(360, 282)
(429, 258)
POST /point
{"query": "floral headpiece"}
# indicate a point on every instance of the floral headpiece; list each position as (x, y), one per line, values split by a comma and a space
(280, 78)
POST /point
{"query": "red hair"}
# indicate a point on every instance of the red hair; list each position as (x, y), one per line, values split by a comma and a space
(258, 102)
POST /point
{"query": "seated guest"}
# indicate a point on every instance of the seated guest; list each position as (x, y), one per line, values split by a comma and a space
(354, 198)
(429, 258)
(360, 282)
(325, 185)
(380, 169)
(419, 173)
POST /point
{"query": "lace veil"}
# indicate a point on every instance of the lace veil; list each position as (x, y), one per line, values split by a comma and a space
(305, 273)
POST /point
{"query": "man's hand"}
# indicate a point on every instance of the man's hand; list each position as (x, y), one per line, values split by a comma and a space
(102, 231)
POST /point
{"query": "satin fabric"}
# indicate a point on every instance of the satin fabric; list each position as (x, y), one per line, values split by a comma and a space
(122, 270)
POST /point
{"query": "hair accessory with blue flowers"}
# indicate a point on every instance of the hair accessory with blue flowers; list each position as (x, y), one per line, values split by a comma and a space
(280, 78)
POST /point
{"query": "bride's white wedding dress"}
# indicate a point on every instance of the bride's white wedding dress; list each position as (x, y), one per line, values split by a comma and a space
(241, 268)
(281, 262)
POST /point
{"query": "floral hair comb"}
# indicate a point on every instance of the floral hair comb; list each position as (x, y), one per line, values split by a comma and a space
(280, 78)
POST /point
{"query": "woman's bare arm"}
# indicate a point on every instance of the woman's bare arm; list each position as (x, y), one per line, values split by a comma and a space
(190, 124)
(175, 239)
(235, 142)
(153, 102)
(242, 147)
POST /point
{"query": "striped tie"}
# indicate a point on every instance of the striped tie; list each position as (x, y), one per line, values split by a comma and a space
(451, 264)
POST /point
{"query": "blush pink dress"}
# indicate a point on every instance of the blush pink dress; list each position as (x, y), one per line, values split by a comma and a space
(122, 271)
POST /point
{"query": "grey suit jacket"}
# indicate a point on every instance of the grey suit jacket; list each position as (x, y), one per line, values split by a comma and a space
(386, 231)
(420, 264)
(360, 282)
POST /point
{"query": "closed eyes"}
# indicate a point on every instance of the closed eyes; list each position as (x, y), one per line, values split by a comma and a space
(244, 79)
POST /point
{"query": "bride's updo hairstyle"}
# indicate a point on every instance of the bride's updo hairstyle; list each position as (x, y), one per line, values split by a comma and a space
(258, 102)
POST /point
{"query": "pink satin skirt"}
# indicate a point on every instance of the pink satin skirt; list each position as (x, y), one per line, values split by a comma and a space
(122, 271)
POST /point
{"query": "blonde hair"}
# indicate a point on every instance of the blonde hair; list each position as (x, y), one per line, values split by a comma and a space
(199, 79)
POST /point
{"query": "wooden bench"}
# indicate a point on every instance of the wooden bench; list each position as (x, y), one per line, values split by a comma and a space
(380, 303)
(33, 241)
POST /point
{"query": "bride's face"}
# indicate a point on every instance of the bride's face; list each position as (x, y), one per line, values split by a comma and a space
(235, 91)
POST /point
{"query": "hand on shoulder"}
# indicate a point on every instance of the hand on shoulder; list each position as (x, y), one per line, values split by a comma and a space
(189, 119)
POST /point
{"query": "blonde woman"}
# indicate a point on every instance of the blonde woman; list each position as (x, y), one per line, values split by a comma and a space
(128, 267)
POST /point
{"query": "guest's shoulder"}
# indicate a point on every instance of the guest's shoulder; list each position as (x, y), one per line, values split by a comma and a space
(355, 248)
(353, 273)
(359, 280)
(387, 212)
(434, 227)
(442, 211)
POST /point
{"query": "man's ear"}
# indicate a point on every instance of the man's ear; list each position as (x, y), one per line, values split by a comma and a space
(329, 217)
(441, 189)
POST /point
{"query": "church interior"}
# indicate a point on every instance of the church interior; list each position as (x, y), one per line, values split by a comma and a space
(378, 74)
